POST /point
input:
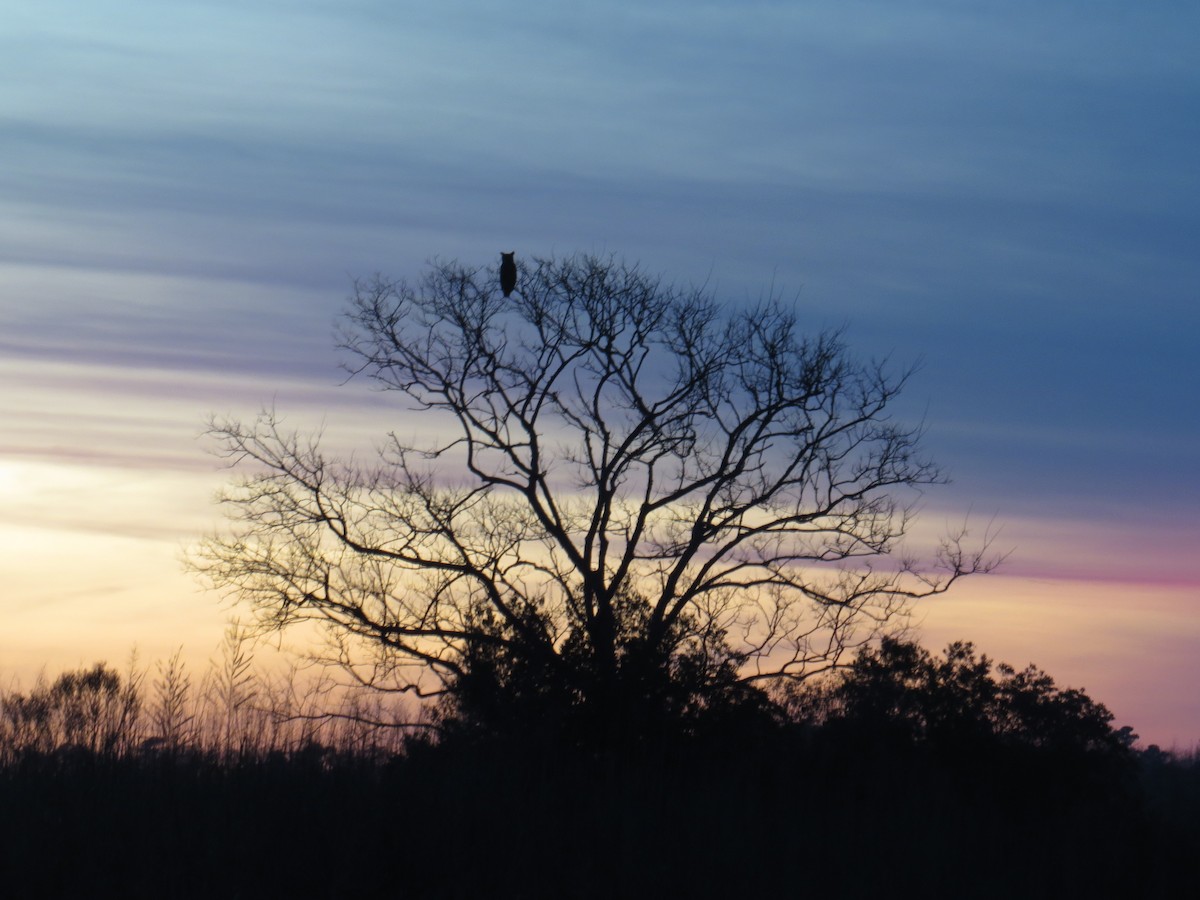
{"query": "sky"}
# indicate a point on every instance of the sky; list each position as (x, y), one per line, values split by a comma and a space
(1004, 192)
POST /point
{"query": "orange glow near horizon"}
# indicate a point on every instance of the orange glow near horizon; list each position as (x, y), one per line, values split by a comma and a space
(1008, 199)
(94, 560)
(104, 485)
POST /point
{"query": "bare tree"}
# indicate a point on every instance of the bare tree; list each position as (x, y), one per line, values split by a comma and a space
(628, 496)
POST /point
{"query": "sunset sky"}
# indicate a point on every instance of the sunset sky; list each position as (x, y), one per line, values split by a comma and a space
(1007, 192)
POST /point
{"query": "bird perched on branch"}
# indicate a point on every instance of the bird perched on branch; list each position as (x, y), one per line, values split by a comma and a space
(508, 272)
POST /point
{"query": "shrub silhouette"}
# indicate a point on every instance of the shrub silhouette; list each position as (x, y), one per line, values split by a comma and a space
(688, 687)
(89, 709)
(920, 775)
(963, 703)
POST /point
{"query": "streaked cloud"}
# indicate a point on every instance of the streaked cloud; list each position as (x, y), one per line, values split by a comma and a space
(1008, 192)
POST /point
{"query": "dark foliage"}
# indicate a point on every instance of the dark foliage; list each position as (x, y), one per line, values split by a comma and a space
(788, 816)
(934, 776)
(684, 685)
(89, 709)
(963, 703)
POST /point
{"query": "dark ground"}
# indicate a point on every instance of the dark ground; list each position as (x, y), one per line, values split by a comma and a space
(790, 817)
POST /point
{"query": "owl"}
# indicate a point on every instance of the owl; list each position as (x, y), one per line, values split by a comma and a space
(508, 272)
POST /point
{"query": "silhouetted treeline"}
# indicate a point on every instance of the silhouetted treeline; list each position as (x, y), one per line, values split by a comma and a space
(230, 712)
(911, 774)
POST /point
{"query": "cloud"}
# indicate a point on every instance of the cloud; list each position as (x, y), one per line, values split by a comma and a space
(1008, 193)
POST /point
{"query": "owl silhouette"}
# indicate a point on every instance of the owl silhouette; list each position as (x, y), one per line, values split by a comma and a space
(508, 272)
